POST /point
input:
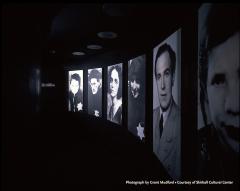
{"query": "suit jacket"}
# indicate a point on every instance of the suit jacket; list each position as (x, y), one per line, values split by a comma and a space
(215, 161)
(75, 100)
(168, 148)
(95, 102)
(136, 113)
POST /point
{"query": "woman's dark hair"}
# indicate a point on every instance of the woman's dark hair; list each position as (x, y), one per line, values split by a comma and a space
(118, 68)
(136, 72)
(137, 69)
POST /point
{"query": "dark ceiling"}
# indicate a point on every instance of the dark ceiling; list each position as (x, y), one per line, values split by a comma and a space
(65, 28)
(137, 25)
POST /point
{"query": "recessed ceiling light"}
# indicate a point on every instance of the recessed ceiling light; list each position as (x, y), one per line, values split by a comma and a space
(78, 53)
(94, 47)
(52, 51)
(107, 35)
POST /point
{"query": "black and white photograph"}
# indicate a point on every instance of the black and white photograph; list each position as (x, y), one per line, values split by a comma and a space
(136, 96)
(95, 92)
(218, 91)
(114, 95)
(166, 104)
(75, 98)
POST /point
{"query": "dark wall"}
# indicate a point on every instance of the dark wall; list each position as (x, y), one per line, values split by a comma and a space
(22, 47)
(189, 75)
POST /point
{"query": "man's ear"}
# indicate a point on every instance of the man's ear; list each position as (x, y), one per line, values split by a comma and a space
(100, 81)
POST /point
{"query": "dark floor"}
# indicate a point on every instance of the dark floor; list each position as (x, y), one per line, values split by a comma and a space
(66, 149)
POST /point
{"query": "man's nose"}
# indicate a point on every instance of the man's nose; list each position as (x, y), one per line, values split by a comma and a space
(163, 83)
(232, 98)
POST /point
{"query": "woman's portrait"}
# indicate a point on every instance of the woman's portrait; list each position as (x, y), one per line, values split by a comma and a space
(114, 95)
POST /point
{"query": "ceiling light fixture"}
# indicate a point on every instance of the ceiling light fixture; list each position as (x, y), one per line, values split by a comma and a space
(94, 47)
(52, 51)
(107, 35)
(78, 53)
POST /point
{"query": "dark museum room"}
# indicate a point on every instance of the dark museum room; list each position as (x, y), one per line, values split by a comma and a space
(120, 94)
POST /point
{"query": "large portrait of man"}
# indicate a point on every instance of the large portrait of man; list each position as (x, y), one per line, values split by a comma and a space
(75, 96)
(166, 105)
(218, 100)
(95, 92)
(136, 96)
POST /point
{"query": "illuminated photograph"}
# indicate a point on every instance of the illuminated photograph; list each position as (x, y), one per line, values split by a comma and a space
(75, 98)
(95, 92)
(136, 96)
(114, 95)
(166, 104)
(218, 92)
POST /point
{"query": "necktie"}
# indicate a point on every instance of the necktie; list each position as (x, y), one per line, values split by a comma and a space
(74, 106)
(161, 125)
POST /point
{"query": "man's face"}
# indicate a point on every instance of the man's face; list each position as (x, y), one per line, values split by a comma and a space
(164, 80)
(74, 86)
(94, 83)
(114, 83)
(223, 91)
(135, 88)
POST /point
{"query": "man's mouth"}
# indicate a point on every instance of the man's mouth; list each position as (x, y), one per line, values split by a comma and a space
(232, 131)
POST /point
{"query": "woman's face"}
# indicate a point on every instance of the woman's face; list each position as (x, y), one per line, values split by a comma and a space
(114, 83)
(135, 88)
(223, 91)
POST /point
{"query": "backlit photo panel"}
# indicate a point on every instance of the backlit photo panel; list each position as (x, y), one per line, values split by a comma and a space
(166, 104)
(75, 87)
(114, 95)
(218, 91)
(95, 92)
(136, 96)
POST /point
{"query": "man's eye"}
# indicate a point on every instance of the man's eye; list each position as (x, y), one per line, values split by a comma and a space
(167, 73)
(218, 79)
(158, 76)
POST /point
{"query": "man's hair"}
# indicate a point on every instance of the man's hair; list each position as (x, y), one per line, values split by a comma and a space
(76, 77)
(119, 71)
(222, 22)
(95, 74)
(167, 48)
